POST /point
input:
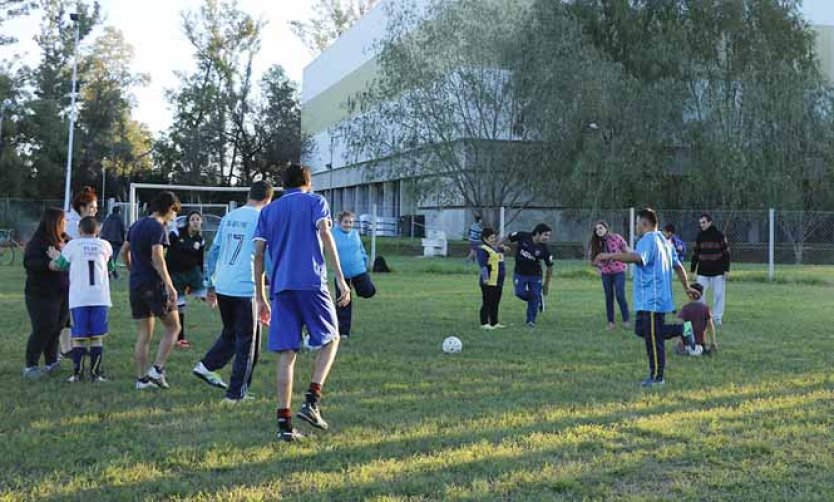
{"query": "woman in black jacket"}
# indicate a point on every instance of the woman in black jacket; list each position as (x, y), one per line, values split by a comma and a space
(46, 292)
(185, 263)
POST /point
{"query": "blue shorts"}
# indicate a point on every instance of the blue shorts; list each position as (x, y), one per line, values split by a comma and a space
(292, 310)
(89, 321)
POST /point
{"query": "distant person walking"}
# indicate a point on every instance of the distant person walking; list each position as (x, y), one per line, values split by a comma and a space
(113, 231)
(46, 293)
(711, 264)
(678, 243)
(613, 272)
(474, 235)
(354, 262)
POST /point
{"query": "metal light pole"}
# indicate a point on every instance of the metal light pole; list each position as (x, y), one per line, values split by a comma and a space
(72, 116)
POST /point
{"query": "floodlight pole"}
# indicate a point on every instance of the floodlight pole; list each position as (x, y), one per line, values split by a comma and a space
(72, 116)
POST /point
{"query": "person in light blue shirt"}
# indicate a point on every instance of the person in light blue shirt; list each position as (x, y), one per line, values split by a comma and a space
(295, 231)
(354, 265)
(232, 290)
(655, 260)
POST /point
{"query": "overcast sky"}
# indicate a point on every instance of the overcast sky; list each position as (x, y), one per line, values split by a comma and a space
(153, 27)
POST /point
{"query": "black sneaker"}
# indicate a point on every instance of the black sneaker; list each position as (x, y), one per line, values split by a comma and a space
(290, 435)
(310, 413)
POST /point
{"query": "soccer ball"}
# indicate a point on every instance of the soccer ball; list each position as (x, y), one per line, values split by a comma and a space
(697, 351)
(452, 345)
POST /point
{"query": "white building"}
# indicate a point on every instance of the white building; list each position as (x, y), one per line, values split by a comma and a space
(349, 65)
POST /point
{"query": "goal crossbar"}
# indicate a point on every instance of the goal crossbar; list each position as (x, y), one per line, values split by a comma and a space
(134, 207)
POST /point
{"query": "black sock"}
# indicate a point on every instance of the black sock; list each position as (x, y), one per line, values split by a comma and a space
(181, 336)
(284, 419)
(313, 393)
(78, 359)
(144, 379)
(95, 360)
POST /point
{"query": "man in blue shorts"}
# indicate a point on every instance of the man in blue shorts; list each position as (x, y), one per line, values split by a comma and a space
(295, 230)
(232, 289)
(655, 258)
(152, 293)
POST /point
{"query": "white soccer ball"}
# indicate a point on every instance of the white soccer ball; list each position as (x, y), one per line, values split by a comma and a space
(697, 351)
(452, 345)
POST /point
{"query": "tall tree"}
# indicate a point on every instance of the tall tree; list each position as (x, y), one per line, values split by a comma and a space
(212, 104)
(111, 141)
(445, 110)
(46, 121)
(331, 18)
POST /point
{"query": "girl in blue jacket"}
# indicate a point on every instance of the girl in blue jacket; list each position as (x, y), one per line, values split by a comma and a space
(354, 262)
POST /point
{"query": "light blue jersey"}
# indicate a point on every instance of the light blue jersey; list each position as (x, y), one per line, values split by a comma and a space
(653, 277)
(231, 256)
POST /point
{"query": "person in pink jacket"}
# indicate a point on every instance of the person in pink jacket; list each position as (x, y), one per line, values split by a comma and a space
(603, 240)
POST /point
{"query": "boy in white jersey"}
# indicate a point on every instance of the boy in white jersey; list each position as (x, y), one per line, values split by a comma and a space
(88, 260)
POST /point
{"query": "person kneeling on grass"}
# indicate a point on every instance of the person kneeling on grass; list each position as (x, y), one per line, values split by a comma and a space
(354, 262)
(493, 271)
(699, 316)
(185, 264)
(88, 259)
(655, 260)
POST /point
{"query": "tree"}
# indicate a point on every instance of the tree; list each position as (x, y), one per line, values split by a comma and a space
(45, 125)
(110, 140)
(212, 108)
(445, 110)
(330, 20)
(276, 137)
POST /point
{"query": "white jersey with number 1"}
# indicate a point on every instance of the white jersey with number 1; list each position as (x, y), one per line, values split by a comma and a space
(88, 259)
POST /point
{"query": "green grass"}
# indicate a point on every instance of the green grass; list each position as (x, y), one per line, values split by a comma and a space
(548, 414)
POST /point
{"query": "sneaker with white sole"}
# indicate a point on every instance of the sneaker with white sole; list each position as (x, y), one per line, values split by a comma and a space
(143, 384)
(34, 373)
(210, 377)
(486, 327)
(158, 378)
(291, 435)
(75, 378)
(499, 326)
(310, 413)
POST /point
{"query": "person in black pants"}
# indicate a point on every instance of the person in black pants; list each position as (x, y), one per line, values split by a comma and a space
(354, 262)
(113, 231)
(46, 293)
(491, 262)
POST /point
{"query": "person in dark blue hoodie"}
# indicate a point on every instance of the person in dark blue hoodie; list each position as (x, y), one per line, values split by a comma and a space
(354, 261)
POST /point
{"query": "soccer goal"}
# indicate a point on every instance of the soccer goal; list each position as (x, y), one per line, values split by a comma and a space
(133, 202)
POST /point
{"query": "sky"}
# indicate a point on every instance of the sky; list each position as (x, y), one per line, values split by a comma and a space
(154, 29)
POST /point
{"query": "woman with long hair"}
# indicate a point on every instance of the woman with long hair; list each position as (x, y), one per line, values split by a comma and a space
(603, 240)
(46, 293)
(185, 264)
(84, 203)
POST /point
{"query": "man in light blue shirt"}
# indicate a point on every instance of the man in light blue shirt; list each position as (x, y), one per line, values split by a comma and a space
(232, 290)
(656, 259)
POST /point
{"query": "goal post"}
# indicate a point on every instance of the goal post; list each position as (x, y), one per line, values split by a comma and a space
(133, 213)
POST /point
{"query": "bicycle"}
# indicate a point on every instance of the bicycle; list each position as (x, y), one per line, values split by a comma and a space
(9, 247)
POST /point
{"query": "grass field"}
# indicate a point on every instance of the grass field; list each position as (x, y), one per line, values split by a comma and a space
(554, 413)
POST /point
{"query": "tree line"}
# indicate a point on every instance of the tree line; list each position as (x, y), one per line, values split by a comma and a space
(229, 126)
(601, 104)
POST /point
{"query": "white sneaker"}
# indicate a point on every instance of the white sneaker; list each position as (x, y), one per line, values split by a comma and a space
(210, 377)
(158, 378)
(33, 373)
(486, 327)
(140, 385)
(499, 326)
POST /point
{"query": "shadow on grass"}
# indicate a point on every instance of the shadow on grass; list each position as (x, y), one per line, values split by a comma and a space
(400, 466)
